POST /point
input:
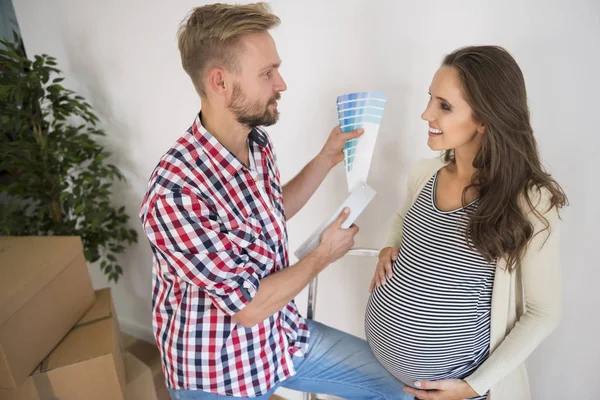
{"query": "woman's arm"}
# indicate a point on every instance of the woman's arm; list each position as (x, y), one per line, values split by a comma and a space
(540, 271)
(541, 276)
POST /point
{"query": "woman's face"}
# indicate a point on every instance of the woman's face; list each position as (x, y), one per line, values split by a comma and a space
(451, 123)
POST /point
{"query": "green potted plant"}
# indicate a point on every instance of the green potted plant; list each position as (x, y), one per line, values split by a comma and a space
(54, 177)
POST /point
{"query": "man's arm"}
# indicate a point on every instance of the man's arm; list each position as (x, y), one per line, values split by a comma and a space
(181, 227)
(297, 191)
(278, 289)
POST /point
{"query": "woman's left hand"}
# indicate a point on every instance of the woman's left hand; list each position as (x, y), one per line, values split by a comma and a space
(445, 389)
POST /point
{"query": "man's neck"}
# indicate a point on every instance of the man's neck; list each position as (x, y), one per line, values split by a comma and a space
(230, 133)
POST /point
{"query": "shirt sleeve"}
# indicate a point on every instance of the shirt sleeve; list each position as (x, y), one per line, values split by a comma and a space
(187, 234)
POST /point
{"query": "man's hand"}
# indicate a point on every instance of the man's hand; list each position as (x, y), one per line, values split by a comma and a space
(445, 389)
(336, 241)
(333, 150)
(297, 191)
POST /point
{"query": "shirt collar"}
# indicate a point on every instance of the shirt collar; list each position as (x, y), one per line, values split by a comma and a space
(225, 163)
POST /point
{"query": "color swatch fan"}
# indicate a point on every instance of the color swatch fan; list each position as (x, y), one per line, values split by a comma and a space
(360, 110)
(355, 110)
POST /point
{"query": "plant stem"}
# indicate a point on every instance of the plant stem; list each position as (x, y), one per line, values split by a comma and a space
(37, 122)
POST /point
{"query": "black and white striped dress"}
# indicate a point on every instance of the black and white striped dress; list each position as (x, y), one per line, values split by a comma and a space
(431, 321)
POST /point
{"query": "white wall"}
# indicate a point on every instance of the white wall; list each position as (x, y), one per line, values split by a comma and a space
(122, 56)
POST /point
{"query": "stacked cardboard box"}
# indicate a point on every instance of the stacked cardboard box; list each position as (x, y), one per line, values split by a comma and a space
(139, 380)
(149, 355)
(58, 338)
(44, 290)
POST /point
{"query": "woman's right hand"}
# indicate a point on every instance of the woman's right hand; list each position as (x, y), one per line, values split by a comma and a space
(384, 267)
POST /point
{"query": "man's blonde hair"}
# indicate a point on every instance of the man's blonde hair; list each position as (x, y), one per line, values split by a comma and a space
(209, 36)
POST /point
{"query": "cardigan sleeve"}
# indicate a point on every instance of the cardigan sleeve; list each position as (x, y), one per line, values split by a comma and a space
(394, 236)
(542, 287)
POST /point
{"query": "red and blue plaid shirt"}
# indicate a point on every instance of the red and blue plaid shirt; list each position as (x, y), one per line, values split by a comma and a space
(216, 228)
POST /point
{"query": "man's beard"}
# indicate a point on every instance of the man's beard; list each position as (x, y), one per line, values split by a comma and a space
(250, 113)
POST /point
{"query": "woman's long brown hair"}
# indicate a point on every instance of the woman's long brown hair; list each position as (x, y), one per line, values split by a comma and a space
(507, 165)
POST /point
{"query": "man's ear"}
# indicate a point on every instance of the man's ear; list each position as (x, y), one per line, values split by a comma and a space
(216, 81)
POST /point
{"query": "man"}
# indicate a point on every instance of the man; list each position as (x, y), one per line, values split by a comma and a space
(215, 215)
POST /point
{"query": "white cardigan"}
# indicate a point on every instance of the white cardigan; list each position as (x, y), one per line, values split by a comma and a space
(526, 304)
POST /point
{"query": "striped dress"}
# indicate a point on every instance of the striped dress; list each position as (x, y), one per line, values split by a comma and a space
(431, 321)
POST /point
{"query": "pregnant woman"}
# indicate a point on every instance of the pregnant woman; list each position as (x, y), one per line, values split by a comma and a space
(468, 284)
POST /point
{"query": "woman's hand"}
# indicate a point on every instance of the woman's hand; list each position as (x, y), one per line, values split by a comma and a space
(384, 266)
(445, 389)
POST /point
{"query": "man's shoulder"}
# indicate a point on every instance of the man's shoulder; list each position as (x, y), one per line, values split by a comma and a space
(182, 154)
(179, 162)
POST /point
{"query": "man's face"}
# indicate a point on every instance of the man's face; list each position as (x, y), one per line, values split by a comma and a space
(258, 84)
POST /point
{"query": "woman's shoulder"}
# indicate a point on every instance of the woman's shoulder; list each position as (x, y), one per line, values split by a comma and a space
(538, 200)
(540, 209)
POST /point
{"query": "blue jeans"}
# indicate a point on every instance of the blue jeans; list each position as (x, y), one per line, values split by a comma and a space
(337, 363)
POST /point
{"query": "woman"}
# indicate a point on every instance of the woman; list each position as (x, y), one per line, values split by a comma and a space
(468, 284)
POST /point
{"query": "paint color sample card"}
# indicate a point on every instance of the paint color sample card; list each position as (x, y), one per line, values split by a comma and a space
(360, 110)
(357, 201)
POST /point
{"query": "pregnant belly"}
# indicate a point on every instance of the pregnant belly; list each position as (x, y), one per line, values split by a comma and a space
(419, 339)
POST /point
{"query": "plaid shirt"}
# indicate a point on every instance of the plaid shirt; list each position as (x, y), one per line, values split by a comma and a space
(216, 228)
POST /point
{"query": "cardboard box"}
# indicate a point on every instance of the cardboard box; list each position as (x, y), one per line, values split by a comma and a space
(140, 385)
(44, 289)
(148, 354)
(86, 365)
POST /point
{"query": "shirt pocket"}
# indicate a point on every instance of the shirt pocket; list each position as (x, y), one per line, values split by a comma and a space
(245, 233)
(277, 200)
(248, 236)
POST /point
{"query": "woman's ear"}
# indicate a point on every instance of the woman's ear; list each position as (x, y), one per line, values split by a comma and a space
(481, 128)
